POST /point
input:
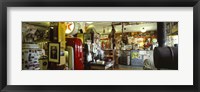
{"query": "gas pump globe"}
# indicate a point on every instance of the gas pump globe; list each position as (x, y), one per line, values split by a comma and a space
(71, 28)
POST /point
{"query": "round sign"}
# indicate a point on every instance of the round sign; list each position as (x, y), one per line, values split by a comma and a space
(69, 27)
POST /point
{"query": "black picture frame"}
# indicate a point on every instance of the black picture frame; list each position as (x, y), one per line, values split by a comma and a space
(100, 3)
(57, 52)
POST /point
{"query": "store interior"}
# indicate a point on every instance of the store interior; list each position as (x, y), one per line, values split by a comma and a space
(99, 45)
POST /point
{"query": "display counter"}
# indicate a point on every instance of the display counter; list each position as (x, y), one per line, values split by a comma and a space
(135, 58)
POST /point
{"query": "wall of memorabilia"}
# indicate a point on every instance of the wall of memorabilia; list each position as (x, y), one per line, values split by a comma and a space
(172, 34)
(35, 40)
(34, 33)
(139, 40)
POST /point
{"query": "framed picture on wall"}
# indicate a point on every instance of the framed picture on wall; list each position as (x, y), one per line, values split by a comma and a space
(54, 52)
(13, 12)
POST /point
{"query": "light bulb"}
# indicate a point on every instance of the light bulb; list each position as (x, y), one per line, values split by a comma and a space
(143, 30)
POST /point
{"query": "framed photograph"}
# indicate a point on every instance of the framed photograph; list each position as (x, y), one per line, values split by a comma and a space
(183, 14)
(54, 52)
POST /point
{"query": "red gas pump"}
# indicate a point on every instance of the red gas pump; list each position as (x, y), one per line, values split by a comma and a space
(76, 43)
